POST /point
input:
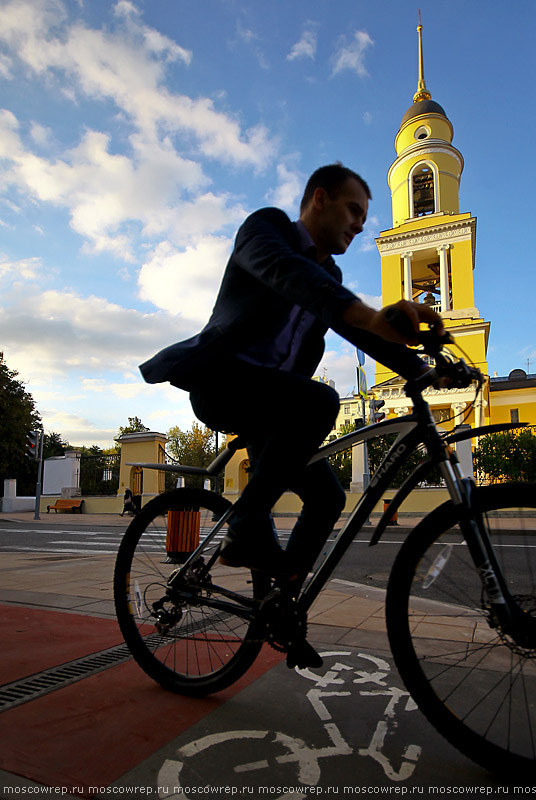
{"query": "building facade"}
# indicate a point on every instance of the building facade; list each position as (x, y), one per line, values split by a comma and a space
(428, 256)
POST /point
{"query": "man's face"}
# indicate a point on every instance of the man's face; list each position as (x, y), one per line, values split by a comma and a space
(341, 218)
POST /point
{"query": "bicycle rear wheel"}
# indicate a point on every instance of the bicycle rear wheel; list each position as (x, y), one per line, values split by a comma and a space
(475, 685)
(197, 635)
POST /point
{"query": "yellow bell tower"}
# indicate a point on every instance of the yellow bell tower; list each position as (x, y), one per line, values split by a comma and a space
(428, 256)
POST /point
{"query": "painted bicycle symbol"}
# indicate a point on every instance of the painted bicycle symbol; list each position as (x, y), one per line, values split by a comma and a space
(340, 680)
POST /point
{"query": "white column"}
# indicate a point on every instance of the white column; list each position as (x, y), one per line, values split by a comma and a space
(358, 467)
(408, 293)
(458, 409)
(465, 455)
(444, 276)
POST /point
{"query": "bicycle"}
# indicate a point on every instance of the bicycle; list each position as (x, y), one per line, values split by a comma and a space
(195, 626)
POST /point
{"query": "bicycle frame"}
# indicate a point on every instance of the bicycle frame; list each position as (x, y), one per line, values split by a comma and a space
(414, 430)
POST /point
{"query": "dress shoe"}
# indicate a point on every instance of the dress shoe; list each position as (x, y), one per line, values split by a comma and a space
(256, 553)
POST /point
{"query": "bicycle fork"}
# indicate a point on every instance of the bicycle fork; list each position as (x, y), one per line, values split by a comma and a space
(509, 616)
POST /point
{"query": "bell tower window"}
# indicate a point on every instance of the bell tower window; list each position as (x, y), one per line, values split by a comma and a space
(423, 191)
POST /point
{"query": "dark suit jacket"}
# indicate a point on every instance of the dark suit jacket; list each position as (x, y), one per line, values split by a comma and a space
(267, 274)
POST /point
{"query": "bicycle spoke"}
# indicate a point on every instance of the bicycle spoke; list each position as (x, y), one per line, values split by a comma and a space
(474, 680)
(197, 622)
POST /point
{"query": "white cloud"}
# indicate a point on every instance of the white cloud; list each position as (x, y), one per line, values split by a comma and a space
(104, 191)
(251, 39)
(77, 429)
(351, 55)
(127, 67)
(339, 364)
(24, 269)
(289, 189)
(306, 46)
(367, 239)
(153, 184)
(188, 222)
(185, 282)
(57, 333)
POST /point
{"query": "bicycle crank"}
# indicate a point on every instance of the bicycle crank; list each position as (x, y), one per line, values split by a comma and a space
(282, 622)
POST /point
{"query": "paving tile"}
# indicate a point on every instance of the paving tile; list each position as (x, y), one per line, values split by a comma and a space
(454, 633)
(350, 613)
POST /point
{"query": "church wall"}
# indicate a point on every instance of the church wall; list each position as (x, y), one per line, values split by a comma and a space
(391, 279)
(523, 399)
(474, 345)
(461, 259)
(440, 127)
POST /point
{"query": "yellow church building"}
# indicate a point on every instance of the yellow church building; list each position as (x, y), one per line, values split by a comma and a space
(428, 256)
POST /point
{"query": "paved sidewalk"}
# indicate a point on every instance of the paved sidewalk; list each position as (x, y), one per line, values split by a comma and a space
(116, 730)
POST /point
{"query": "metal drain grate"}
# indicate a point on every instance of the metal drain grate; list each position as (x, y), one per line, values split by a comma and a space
(25, 689)
(50, 680)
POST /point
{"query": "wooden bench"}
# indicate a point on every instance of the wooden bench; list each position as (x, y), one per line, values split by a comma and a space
(66, 505)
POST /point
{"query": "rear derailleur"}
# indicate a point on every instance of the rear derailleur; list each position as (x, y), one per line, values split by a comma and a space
(182, 587)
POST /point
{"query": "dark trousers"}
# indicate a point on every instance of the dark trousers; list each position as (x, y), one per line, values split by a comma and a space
(284, 418)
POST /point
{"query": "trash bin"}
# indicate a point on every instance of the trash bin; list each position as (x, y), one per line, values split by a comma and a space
(394, 518)
(182, 534)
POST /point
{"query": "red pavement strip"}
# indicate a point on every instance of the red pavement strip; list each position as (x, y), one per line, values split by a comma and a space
(36, 639)
(94, 731)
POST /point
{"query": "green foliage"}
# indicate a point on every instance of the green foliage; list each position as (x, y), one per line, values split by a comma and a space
(378, 449)
(135, 425)
(506, 456)
(341, 463)
(18, 416)
(54, 445)
(193, 448)
(99, 472)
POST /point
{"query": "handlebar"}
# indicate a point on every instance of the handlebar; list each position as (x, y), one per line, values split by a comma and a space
(457, 373)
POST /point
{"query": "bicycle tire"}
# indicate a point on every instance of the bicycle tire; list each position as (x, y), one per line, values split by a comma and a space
(202, 649)
(474, 684)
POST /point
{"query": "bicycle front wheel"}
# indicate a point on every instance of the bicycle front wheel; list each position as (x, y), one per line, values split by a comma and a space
(195, 635)
(473, 682)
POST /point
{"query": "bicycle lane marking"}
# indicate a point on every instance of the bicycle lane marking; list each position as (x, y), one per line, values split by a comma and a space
(384, 726)
(307, 757)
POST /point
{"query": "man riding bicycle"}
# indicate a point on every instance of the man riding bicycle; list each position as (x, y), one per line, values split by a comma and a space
(249, 371)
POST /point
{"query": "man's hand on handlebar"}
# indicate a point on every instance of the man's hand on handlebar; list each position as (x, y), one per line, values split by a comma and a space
(395, 323)
(400, 322)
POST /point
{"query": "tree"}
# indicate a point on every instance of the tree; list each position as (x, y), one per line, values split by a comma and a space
(193, 448)
(18, 416)
(99, 472)
(341, 463)
(54, 445)
(506, 456)
(380, 446)
(135, 425)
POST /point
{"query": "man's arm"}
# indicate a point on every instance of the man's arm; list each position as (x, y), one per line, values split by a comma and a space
(359, 315)
(263, 249)
(266, 249)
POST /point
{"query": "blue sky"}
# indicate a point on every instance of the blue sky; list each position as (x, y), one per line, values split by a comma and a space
(136, 136)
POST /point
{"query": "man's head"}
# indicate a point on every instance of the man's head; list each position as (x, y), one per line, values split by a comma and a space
(334, 208)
